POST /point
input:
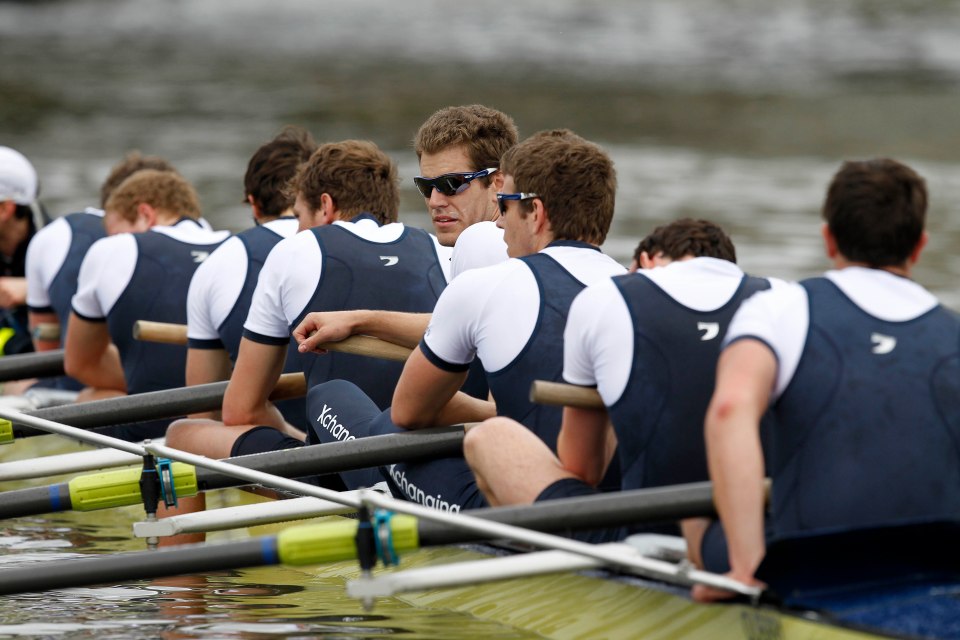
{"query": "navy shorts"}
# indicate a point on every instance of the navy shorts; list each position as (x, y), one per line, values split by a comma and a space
(339, 410)
(574, 488)
(264, 439)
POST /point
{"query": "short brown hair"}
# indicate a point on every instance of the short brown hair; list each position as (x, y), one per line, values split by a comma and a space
(876, 210)
(688, 237)
(575, 179)
(356, 174)
(272, 167)
(132, 162)
(486, 133)
(164, 190)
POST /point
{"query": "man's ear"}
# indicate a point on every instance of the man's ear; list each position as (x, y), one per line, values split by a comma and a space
(921, 243)
(541, 217)
(7, 209)
(329, 208)
(146, 216)
(497, 181)
(829, 241)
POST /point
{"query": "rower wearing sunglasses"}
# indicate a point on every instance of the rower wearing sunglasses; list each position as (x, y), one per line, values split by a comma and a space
(557, 204)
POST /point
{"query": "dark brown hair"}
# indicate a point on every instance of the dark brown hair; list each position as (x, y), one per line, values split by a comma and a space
(272, 167)
(688, 237)
(356, 174)
(575, 179)
(876, 210)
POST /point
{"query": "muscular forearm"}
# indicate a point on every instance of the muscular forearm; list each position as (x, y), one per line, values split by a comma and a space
(405, 329)
(464, 408)
(103, 372)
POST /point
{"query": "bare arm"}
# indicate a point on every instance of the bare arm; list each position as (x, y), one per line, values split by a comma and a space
(47, 318)
(584, 444)
(207, 365)
(332, 326)
(746, 373)
(256, 372)
(427, 396)
(90, 357)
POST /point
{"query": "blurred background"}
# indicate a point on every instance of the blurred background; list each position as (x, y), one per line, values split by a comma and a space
(734, 110)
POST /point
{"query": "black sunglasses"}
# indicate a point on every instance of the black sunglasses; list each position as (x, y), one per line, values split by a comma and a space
(449, 184)
(502, 199)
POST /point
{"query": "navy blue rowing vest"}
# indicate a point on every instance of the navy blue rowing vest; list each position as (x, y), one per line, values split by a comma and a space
(258, 242)
(157, 291)
(85, 229)
(542, 357)
(659, 417)
(868, 431)
(403, 275)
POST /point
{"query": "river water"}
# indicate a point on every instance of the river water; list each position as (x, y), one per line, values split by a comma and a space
(734, 110)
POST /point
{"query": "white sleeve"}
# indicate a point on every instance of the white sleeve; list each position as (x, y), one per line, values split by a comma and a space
(45, 255)
(105, 272)
(451, 337)
(214, 290)
(778, 317)
(598, 341)
(284, 288)
(479, 245)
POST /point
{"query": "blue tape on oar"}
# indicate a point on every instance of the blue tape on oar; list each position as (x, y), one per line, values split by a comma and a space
(270, 550)
(55, 502)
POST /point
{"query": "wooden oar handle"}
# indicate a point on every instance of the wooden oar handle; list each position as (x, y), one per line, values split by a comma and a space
(357, 345)
(165, 332)
(290, 385)
(568, 395)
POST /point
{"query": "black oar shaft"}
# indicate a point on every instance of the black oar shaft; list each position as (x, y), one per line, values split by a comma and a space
(43, 576)
(666, 504)
(44, 364)
(292, 463)
(335, 457)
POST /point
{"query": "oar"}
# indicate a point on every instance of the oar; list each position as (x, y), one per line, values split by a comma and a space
(356, 345)
(312, 544)
(43, 364)
(121, 487)
(152, 405)
(570, 395)
(64, 463)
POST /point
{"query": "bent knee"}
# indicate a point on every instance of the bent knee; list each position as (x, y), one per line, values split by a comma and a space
(488, 436)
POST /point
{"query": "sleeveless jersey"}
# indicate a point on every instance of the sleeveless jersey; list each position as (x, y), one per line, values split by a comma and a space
(258, 242)
(403, 275)
(157, 291)
(85, 229)
(542, 357)
(659, 417)
(866, 433)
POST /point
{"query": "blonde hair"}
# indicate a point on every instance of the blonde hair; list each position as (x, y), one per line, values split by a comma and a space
(163, 190)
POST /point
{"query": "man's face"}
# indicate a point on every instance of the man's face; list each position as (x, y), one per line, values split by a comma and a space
(452, 214)
(307, 217)
(517, 231)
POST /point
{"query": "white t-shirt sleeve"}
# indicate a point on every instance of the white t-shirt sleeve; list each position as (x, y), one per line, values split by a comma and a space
(105, 272)
(45, 256)
(598, 341)
(479, 245)
(286, 283)
(214, 290)
(778, 317)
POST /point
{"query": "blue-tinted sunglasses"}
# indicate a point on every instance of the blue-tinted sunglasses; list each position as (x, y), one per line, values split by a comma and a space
(449, 184)
(502, 199)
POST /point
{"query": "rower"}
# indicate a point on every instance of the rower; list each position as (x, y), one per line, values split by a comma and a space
(141, 271)
(648, 342)
(222, 288)
(355, 255)
(556, 209)
(54, 257)
(859, 369)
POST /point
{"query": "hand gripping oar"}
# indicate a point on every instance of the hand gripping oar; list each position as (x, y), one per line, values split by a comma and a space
(152, 405)
(356, 345)
(312, 544)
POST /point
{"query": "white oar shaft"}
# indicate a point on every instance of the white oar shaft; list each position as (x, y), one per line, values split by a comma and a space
(66, 463)
(89, 437)
(241, 516)
(647, 566)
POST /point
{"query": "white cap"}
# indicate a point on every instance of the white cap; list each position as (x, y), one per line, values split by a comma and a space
(18, 178)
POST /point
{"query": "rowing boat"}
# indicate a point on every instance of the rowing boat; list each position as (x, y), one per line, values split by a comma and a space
(572, 604)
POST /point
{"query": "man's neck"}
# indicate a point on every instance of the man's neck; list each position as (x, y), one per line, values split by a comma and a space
(902, 270)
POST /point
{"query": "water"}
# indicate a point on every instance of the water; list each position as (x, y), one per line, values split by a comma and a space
(734, 110)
